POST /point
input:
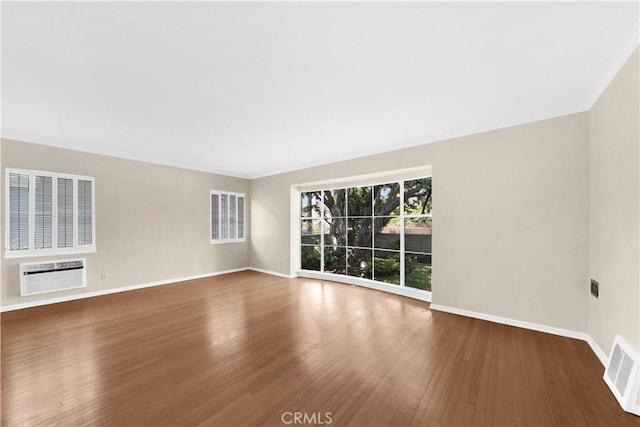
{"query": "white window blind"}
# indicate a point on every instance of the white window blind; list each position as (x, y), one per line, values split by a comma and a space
(65, 213)
(43, 224)
(18, 212)
(241, 217)
(227, 217)
(233, 207)
(215, 220)
(224, 216)
(49, 213)
(85, 212)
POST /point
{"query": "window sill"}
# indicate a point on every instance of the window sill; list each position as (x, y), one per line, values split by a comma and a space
(221, 242)
(48, 254)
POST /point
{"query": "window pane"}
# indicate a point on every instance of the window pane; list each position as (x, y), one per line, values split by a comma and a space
(387, 199)
(240, 217)
(310, 258)
(334, 202)
(386, 267)
(417, 235)
(359, 232)
(359, 201)
(215, 212)
(417, 196)
(417, 269)
(359, 262)
(232, 217)
(335, 260)
(18, 211)
(310, 231)
(310, 204)
(224, 216)
(65, 213)
(335, 232)
(387, 234)
(85, 212)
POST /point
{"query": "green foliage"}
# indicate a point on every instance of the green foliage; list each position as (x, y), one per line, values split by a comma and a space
(417, 196)
(310, 258)
(384, 266)
(409, 265)
(359, 201)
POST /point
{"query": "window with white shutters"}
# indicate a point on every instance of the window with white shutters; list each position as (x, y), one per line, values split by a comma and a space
(227, 217)
(49, 213)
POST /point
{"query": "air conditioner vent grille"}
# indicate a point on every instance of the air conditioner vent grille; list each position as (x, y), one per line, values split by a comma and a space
(622, 375)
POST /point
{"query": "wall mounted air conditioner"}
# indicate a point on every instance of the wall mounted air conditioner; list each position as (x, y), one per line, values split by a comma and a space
(622, 375)
(52, 276)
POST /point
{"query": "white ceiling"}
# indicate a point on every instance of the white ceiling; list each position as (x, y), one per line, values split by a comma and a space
(252, 89)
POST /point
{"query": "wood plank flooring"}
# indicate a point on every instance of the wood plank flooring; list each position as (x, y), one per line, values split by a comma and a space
(249, 348)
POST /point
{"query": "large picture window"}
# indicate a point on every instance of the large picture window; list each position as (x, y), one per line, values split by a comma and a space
(49, 213)
(376, 232)
(227, 217)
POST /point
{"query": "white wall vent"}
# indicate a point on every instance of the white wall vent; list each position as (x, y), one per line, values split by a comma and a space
(622, 375)
(51, 276)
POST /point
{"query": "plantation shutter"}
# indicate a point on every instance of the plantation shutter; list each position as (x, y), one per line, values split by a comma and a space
(240, 217)
(215, 216)
(227, 217)
(65, 213)
(233, 207)
(85, 212)
(18, 211)
(224, 216)
(43, 221)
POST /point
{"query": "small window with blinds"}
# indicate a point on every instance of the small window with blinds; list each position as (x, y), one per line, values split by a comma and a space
(227, 217)
(49, 213)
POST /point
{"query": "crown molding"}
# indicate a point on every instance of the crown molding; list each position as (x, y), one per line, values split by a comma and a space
(615, 65)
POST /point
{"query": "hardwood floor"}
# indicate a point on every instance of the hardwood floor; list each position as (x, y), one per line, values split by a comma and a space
(249, 348)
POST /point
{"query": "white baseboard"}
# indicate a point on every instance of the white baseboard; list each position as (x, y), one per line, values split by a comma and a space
(528, 325)
(113, 290)
(604, 359)
(273, 273)
(393, 289)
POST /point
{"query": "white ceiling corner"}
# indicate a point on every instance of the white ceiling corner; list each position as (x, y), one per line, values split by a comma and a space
(628, 46)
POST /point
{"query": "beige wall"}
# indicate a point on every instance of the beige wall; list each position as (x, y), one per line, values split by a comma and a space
(510, 218)
(614, 136)
(152, 221)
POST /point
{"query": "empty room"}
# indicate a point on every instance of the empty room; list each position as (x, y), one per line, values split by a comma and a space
(320, 213)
